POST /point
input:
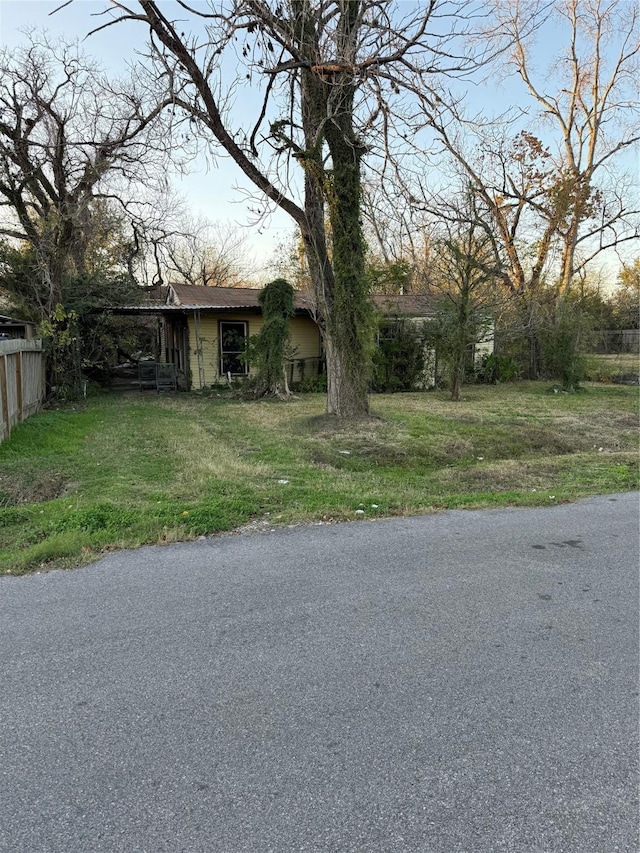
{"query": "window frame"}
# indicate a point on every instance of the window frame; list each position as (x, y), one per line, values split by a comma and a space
(225, 352)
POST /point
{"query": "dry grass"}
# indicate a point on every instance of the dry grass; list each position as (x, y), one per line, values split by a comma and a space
(118, 472)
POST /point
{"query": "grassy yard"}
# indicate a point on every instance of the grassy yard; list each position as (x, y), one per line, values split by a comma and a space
(120, 471)
(605, 368)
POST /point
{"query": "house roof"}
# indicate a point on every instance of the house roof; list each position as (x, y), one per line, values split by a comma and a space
(195, 296)
(189, 297)
(14, 321)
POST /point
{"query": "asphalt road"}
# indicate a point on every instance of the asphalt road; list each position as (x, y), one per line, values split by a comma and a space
(460, 682)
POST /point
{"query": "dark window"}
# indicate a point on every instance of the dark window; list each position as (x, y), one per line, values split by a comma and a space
(233, 346)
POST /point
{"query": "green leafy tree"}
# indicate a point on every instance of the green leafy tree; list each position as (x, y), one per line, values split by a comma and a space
(81, 335)
(564, 335)
(400, 360)
(61, 339)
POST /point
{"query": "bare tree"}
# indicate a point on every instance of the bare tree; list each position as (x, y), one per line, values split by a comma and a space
(594, 112)
(393, 230)
(555, 191)
(327, 70)
(463, 272)
(69, 141)
(208, 254)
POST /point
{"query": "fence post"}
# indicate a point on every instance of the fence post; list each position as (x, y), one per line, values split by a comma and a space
(4, 395)
(19, 392)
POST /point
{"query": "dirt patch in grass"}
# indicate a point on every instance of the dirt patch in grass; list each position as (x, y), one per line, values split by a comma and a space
(610, 430)
(20, 488)
(543, 440)
(374, 440)
(580, 473)
(344, 454)
(505, 476)
(328, 426)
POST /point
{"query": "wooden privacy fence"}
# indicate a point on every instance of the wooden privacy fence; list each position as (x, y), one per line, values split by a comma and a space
(21, 382)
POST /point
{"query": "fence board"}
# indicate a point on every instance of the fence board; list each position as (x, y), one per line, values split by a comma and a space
(21, 382)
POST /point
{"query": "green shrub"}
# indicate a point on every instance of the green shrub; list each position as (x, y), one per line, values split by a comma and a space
(399, 361)
(98, 518)
(311, 384)
(496, 368)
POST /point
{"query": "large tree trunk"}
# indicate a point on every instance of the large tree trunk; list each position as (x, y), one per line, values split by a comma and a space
(347, 362)
(346, 397)
(349, 326)
(350, 323)
(344, 312)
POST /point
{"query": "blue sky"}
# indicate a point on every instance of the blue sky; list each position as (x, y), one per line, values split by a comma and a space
(211, 192)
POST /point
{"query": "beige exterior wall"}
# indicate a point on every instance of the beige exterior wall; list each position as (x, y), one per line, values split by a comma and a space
(204, 344)
(485, 346)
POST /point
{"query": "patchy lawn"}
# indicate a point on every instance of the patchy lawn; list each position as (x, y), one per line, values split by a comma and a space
(121, 471)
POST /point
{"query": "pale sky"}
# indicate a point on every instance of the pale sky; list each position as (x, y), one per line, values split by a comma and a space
(210, 192)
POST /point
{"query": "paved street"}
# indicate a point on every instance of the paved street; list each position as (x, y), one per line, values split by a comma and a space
(462, 682)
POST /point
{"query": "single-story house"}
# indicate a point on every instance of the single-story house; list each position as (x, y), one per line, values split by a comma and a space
(203, 330)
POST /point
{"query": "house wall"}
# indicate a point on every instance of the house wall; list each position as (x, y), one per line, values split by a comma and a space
(173, 347)
(433, 369)
(204, 345)
(486, 346)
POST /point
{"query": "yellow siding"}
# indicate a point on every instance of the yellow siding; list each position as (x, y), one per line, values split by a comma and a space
(204, 346)
(305, 337)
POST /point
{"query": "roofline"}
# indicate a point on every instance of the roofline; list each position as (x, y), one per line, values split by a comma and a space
(188, 309)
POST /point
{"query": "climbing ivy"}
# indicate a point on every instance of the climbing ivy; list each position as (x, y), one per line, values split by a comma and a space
(272, 346)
